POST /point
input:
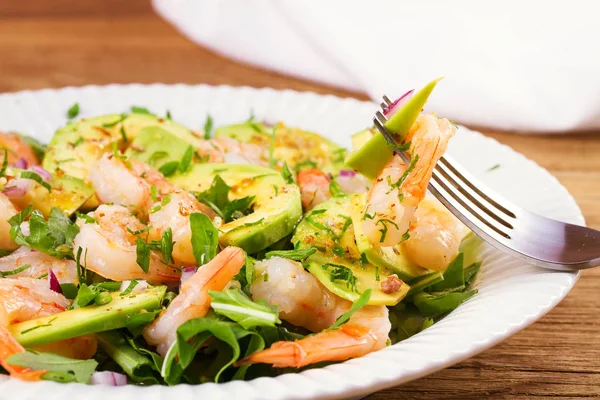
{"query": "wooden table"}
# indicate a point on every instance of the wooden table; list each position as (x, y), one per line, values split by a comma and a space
(46, 43)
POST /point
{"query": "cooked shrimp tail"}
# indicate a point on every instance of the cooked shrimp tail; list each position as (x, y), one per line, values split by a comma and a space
(8, 347)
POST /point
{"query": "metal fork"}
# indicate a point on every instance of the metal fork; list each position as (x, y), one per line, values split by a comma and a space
(535, 239)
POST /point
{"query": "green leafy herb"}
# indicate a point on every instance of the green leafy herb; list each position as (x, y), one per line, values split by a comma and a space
(85, 296)
(470, 272)
(205, 238)
(14, 271)
(38, 148)
(341, 273)
(102, 298)
(217, 198)
(434, 304)
(400, 181)
(384, 230)
(53, 237)
(35, 177)
(235, 305)
(132, 284)
(142, 253)
(422, 282)
(295, 255)
(153, 193)
(192, 334)
(39, 326)
(81, 268)
(287, 174)
(60, 369)
(166, 246)
(169, 168)
(186, 160)
(123, 134)
(73, 111)
(140, 231)
(208, 126)
(303, 164)
(78, 141)
(140, 110)
(405, 236)
(168, 116)
(136, 323)
(362, 301)
(4, 162)
(156, 156)
(493, 167)
(88, 219)
(69, 290)
(139, 367)
(335, 189)
(272, 159)
(115, 122)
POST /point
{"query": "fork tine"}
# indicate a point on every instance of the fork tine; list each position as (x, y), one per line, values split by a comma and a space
(440, 168)
(467, 179)
(383, 106)
(387, 100)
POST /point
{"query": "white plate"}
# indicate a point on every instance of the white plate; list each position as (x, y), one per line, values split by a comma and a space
(512, 295)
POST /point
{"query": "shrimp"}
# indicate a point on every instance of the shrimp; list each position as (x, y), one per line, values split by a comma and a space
(7, 211)
(109, 247)
(17, 148)
(39, 265)
(193, 300)
(435, 236)
(24, 299)
(314, 187)
(229, 150)
(303, 301)
(396, 192)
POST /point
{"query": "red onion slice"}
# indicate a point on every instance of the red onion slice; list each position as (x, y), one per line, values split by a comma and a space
(17, 188)
(345, 173)
(108, 378)
(21, 163)
(45, 175)
(397, 104)
(53, 282)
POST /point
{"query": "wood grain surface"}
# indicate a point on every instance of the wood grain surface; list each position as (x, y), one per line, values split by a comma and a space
(46, 43)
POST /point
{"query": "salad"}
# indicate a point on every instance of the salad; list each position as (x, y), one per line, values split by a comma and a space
(134, 250)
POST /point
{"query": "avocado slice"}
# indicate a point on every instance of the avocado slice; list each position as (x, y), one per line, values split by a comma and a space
(76, 146)
(67, 193)
(276, 207)
(157, 146)
(338, 263)
(86, 320)
(359, 139)
(294, 146)
(374, 154)
(392, 258)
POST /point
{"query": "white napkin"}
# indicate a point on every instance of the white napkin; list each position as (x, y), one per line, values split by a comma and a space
(516, 65)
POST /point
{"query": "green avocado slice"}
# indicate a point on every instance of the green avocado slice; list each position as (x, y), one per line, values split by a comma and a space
(276, 207)
(392, 258)
(67, 193)
(375, 153)
(76, 146)
(86, 320)
(338, 263)
(294, 146)
(157, 146)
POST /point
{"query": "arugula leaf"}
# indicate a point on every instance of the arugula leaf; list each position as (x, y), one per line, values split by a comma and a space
(142, 254)
(434, 304)
(422, 282)
(53, 237)
(85, 296)
(156, 359)
(193, 333)
(235, 305)
(208, 125)
(470, 272)
(217, 198)
(237, 208)
(137, 366)
(246, 275)
(287, 174)
(295, 255)
(34, 176)
(69, 290)
(407, 322)
(453, 276)
(73, 111)
(60, 369)
(357, 305)
(205, 238)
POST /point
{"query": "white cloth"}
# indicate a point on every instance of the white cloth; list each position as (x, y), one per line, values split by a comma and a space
(524, 65)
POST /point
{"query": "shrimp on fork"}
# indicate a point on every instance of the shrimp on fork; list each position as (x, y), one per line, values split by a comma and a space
(303, 301)
(397, 191)
(193, 300)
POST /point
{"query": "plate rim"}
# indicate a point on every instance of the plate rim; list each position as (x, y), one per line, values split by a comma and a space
(361, 389)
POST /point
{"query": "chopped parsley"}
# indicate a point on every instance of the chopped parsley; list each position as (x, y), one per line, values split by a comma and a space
(86, 218)
(339, 272)
(384, 230)
(34, 176)
(287, 174)
(493, 167)
(73, 111)
(15, 271)
(140, 110)
(208, 126)
(217, 198)
(132, 284)
(115, 122)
